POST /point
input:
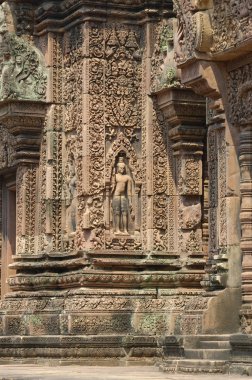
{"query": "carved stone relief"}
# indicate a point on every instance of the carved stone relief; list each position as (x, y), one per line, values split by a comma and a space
(7, 148)
(26, 209)
(204, 28)
(160, 181)
(239, 82)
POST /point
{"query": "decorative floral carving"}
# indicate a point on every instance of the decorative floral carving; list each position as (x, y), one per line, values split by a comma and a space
(160, 179)
(7, 148)
(26, 209)
(223, 28)
(190, 176)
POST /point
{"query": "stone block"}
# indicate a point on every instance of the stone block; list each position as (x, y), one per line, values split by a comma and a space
(234, 266)
(222, 315)
(145, 352)
(41, 324)
(14, 325)
(233, 220)
(150, 323)
(64, 324)
(92, 324)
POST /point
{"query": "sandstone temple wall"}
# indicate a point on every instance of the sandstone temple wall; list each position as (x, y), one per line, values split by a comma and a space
(125, 203)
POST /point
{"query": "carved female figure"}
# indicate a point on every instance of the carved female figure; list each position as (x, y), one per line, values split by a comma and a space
(71, 198)
(121, 198)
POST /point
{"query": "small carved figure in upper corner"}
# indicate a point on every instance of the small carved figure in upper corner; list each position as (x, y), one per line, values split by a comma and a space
(121, 198)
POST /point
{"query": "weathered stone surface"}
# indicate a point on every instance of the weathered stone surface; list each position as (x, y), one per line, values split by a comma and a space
(125, 174)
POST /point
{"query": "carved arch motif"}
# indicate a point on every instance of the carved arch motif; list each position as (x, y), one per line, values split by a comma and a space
(122, 144)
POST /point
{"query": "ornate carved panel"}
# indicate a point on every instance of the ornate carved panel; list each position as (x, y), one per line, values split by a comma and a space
(7, 148)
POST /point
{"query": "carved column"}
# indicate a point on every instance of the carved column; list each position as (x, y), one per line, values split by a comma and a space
(239, 95)
(24, 121)
(186, 132)
(246, 223)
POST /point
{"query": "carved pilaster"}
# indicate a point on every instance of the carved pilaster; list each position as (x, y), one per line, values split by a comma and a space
(23, 120)
(246, 224)
(188, 157)
(239, 93)
(26, 184)
(186, 134)
(217, 263)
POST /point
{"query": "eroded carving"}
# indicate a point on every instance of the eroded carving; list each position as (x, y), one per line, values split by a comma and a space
(22, 72)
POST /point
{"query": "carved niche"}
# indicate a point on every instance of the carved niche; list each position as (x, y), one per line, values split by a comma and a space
(115, 75)
(122, 153)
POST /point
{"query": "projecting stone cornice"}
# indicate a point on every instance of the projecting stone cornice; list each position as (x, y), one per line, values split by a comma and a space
(57, 14)
(23, 121)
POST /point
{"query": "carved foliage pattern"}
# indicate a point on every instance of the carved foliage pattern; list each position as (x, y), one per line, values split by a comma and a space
(50, 222)
(41, 222)
(213, 188)
(114, 74)
(96, 147)
(221, 144)
(122, 54)
(231, 22)
(26, 203)
(240, 106)
(7, 149)
(160, 180)
(73, 123)
(189, 176)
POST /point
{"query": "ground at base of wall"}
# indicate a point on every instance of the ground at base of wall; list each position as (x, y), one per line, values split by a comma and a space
(32, 372)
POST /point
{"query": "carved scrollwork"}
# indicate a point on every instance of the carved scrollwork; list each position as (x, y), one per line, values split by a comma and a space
(240, 101)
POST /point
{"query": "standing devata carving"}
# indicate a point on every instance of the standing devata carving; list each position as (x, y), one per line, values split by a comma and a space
(71, 200)
(121, 198)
